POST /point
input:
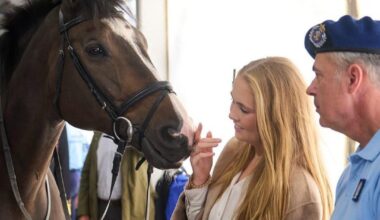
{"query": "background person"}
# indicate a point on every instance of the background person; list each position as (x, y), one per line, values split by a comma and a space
(78, 144)
(129, 194)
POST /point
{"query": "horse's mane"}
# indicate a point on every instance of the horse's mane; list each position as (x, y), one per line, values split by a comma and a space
(21, 22)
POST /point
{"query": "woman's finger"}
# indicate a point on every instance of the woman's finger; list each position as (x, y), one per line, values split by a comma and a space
(209, 134)
(205, 146)
(208, 143)
(197, 134)
(203, 155)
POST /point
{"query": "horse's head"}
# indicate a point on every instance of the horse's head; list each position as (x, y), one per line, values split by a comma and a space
(106, 73)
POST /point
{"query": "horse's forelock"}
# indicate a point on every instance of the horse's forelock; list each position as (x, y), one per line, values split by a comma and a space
(96, 8)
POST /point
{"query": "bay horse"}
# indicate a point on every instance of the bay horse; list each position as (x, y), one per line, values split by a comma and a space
(79, 61)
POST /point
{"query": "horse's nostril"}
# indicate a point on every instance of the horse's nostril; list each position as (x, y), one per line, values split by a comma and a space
(169, 134)
(173, 133)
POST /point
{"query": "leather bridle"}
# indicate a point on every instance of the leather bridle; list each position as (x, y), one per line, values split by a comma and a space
(114, 112)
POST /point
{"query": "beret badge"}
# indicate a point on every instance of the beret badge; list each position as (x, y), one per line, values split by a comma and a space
(317, 35)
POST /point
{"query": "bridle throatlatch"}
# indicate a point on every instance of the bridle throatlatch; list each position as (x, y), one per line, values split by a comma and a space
(115, 113)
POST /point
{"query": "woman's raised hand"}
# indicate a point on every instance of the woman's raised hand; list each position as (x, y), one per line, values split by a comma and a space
(201, 158)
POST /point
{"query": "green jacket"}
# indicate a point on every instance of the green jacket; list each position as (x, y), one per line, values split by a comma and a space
(134, 185)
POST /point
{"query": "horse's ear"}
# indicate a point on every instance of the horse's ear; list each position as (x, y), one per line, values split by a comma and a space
(69, 7)
(143, 39)
(71, 2)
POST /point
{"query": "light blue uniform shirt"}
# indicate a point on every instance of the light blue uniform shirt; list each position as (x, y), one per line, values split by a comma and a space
(78, 146)
(364, 164)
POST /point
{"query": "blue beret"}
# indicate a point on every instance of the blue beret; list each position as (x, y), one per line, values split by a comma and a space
(346, 34)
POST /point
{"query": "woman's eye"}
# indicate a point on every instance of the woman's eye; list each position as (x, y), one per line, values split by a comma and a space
(242, 109)
(96, 51)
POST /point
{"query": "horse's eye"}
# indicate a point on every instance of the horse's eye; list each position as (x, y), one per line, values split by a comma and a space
(96, 51)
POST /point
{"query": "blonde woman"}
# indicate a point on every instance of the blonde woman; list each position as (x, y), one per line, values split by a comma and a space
(271, 169)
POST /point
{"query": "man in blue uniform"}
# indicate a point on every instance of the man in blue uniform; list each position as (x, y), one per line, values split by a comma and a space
(346, 91)
(78, 143)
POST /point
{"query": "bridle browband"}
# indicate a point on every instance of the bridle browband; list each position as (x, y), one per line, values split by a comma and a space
(114, 112)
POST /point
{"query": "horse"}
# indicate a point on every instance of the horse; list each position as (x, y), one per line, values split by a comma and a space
(79, 61)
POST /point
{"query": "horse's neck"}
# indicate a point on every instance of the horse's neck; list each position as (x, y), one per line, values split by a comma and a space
(31, 123)
(32, 137)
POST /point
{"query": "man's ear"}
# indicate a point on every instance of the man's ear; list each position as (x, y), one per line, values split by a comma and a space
(356, 74)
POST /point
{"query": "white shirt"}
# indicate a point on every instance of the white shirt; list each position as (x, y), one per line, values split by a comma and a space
(224, 208)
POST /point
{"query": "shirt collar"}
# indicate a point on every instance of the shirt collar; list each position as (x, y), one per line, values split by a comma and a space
(370, 151)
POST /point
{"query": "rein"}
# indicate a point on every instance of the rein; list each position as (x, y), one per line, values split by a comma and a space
(11, 171)
(9, 164)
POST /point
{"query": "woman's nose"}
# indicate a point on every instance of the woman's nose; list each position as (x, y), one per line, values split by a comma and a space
(232, 116)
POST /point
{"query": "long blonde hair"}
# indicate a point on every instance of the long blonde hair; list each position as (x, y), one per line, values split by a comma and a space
(288, 135)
